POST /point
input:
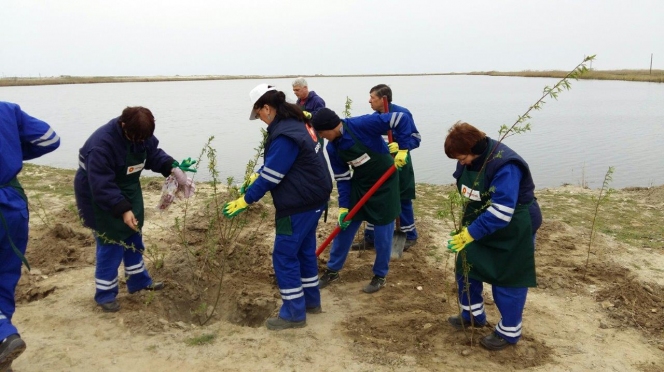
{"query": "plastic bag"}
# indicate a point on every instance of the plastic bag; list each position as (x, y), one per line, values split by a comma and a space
(172, 190)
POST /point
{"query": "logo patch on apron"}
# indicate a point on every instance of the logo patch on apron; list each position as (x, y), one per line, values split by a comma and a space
(470, 193)
(361, 160)
(135, 168)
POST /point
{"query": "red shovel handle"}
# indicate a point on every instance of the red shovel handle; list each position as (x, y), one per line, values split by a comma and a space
(356, 208)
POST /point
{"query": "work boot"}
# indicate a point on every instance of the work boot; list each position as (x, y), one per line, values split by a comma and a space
(409, 243)
(278, 323)
(376, 284)
(494, 342)
(365, 245)
(10, 349)
(110, 307)
(458, 322)
(155, 286)
(315, 310)
(328, 277)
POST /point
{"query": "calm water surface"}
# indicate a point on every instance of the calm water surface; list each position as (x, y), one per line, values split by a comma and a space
(595, 125)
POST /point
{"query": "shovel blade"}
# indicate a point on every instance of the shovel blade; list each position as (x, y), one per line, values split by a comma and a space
(398, 243)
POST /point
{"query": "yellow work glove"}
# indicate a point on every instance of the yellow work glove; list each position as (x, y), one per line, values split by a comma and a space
(459, 240)
(307, 115)
(235, 207)
(342, 214)
(393, 147)
(245, 186)
(400, 159)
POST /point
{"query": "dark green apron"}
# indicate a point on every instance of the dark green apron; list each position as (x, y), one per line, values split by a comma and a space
(505, 258)
(383, 206)
(17, 186)
(407, 180)
(109, 228)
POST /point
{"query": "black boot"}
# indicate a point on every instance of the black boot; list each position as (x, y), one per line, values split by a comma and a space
(364, 245)
(494, 342)
(155, 286)
(279, 323)
(10, 349)
(328, 277)
(110, 307)
(459, 322)
(375, 285)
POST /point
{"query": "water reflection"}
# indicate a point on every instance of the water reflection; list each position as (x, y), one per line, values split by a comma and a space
(595, 125)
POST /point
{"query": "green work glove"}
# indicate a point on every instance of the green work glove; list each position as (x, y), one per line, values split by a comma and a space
(400, 159)
(307, 115)
(250, 181)
(343, 212)
(459, 240)
(185, 165)
(231, 209)
(393, 147)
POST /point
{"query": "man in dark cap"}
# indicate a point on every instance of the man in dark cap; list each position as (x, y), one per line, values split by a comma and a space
(357, 144)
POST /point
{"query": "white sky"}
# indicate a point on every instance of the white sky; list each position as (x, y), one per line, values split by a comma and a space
(299, 37)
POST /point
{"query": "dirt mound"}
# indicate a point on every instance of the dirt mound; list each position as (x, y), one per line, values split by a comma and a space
(214, 268)
(61, 247)
(58, 243)
(219, 272)
(634, 304)
(562, 269)
(409, 317)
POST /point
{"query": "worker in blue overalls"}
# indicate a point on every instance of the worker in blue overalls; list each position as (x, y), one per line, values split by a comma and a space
(110, 199)
(359, 158)
(377, 97)
(22, 137)
(497, 240)
(295, 173)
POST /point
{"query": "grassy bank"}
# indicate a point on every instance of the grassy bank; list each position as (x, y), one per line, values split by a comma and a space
(656, 76)
(67, 79)
(632, 215)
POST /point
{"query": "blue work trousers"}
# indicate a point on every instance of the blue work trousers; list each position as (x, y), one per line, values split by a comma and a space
(296, 266)
(406, 221)
(16, 218)
(383, 243)
(109, 257)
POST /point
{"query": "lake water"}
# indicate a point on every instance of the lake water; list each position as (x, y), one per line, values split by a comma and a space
(595, 125)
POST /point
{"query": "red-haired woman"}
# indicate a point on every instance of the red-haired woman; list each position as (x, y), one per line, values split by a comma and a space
(499, 226)
(110, 199)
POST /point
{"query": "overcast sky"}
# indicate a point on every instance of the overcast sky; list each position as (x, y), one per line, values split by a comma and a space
(263, 37)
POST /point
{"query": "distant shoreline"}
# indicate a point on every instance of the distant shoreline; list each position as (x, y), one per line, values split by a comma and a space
(657, 76)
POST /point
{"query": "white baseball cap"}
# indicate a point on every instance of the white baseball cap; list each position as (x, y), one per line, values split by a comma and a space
(255, 95)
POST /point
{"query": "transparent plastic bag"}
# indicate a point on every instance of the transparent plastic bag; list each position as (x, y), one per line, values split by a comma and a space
(172, 190)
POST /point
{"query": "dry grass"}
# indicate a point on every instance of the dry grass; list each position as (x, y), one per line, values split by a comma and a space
(657, 76)
(66, 79)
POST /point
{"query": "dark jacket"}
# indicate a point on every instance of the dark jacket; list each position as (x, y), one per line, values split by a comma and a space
(101, 157)
(313, 103)
(308, 184)
(499, 157)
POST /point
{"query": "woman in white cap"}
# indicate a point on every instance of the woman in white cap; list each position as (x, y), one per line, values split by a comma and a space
(296, 174)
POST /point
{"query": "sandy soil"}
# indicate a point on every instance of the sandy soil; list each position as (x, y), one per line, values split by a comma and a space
(608, 319)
